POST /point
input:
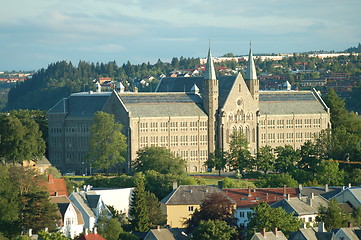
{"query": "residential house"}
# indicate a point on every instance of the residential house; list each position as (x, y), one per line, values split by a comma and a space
(273, 235)
(246, 198)
(352, 196)
(91, 206)
(183, 201)
(349, 233)
(326, 192)
(90, 236)
(71, 223)
(119, 198)
(41, 164)
(304, 208)
(166, 234)
(316, 233)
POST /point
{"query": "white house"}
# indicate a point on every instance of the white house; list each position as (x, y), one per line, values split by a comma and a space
(91, 206)
(72, 222)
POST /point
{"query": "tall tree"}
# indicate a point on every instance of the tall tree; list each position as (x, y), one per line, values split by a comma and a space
(159, 159)
(265, 159)
(217, 160)
(107, 145)
(239, 156)
(287, 158)
(140, 218)
(266, 217)
(337, 107)
(20, 139)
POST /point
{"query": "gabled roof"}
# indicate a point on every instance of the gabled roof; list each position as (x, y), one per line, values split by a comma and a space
(81, 199)
(301, 206)
(81, 105)
(189, 195)
(166, 234)
(290, 102)
(63, 203)
(355, 191)
(90, 236)
(185, 84)
(325, 192)
(269, 195)
(56, 186)
(311, 234)
(353, 233)
(162, 104)
(269, 236)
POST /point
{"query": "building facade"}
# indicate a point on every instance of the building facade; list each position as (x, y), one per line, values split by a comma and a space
(191, 116)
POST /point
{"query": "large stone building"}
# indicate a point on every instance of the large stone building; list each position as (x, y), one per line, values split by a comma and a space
(191, 116)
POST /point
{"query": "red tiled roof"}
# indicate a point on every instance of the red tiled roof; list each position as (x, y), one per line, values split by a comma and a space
(56, 186)
(90, 236)
(257, 195)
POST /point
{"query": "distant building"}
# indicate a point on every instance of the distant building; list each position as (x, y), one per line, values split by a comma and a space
(191, 116)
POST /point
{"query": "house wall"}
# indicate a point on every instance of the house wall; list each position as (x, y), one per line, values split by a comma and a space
(176, 214)
(71, 227)
(242, 215)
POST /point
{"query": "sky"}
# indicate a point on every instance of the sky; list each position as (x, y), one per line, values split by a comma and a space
(36, 33)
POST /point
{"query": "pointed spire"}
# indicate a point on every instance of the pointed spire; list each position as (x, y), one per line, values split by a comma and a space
(210, 72)
(251, 68)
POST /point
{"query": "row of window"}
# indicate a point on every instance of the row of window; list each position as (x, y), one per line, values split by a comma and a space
(288, 137)
(290, 123)
(81, 127)
(172, 126)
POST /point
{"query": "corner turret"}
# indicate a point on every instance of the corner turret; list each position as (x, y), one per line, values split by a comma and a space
(251, 77)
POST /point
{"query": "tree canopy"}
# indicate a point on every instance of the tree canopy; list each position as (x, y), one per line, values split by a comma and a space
(159, 159)
(107, 145)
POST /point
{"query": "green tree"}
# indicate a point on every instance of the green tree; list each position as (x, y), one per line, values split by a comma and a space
(269, 218)
(310, 158)
(239, 156)
(139, 212)
(217, 160)
(333, 215)
(20, 139)
(43, 235)
(155, 211)
(213, 230)
(328, 172)
(337, 107)
(236, 183)
(216, 206)
(110, 229)
(265, 159)
(278, 180)
(287, 158)
(107, 145)
(159, 159)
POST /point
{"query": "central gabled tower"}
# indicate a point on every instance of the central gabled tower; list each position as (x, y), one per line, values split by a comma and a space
(210, 100)
(251, 77)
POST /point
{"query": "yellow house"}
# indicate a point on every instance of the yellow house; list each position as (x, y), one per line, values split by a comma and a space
(183, 201)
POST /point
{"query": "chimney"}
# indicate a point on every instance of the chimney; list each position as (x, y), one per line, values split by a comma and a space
(86, 231)
(312, 195)
(309, 201)
(135, 89)
(264, 232)
(158, 228)
(50, 178)
(349, 185)
(349, 224)
(300, 187)
(288, 197)
(30, 232)
(276, 232)
(326, 188)
(56, 194)
(249, 191)
(95, 230)
(321, 227)
(284, 190)
(175, 185)
(220, 184)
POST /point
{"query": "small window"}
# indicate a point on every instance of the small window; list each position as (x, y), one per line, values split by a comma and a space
(241, 214)
(190, 209)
